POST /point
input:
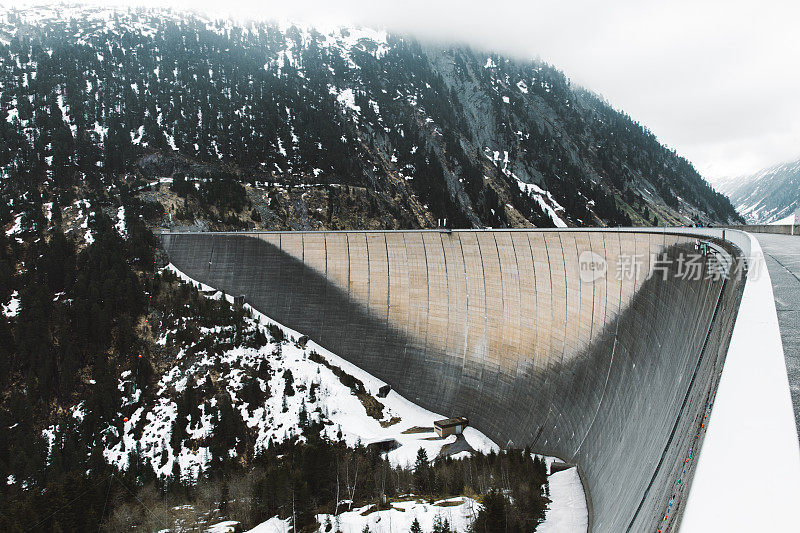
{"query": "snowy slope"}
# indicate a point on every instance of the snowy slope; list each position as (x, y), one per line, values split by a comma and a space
(767, 196)
(459, 513)
(567, 512)
(332, 402)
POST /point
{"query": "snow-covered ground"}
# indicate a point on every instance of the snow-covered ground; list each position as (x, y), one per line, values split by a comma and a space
(566, 515)
(787, 221)
(567, 512)
(340, 406)
(16, 228)
(748, 471)
(459, 513)
(11, 308)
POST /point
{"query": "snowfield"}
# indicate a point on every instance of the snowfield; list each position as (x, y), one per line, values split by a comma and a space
(274, 421)
(567, 512)
(459, 513)
(340, 406)
(11, 308)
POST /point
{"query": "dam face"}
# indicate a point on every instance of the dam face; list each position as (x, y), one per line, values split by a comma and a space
(593, 346)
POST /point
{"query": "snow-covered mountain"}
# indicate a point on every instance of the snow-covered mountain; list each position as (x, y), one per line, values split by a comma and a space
(417, 133)
(767, 196)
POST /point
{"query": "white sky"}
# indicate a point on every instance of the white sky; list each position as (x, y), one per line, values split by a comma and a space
(718, 80)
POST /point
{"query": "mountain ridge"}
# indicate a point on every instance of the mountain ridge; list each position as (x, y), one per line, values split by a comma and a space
(430, 132)
(766, 196)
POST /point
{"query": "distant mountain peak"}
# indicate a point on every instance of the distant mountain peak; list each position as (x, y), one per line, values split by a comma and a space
(769, 195)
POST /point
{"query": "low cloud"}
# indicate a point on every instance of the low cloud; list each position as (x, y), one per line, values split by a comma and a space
(716, 80)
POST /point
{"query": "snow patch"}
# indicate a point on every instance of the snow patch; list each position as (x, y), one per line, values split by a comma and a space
(11, 309)
(567, 512)
(347, 98)
(459, 512)
(16, 228)
(120, 225)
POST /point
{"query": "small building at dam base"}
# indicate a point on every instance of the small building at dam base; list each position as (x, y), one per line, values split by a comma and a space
(450, 426)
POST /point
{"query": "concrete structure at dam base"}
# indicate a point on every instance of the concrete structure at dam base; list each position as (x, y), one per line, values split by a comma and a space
(604, 348)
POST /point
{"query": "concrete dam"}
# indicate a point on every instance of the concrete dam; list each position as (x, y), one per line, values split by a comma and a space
(593, 346)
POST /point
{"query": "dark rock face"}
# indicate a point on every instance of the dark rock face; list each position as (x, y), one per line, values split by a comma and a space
(613, 372)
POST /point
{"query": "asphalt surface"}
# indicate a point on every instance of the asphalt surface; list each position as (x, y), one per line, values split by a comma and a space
(782, 253)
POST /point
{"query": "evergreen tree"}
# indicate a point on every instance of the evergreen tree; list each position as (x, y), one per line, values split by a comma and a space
(492, 517)
(422, 472)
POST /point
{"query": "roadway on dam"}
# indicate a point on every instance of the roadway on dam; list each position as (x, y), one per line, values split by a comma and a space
(782, 254)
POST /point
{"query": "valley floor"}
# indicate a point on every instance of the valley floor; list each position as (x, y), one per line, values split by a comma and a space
(567, 513)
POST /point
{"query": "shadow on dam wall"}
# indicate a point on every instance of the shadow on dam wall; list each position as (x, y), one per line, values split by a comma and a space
(614, 370)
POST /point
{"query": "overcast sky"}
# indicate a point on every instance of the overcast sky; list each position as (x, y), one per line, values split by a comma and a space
(719, 80)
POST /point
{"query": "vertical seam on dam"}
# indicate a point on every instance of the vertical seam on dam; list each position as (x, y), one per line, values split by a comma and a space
(536, 302)
(408, 291)
(427, 294)
(388, 279)
(466, 300)
(552, 306)
(485, 310)
(566, 298)
(447, 286)
(349, 267)
(369, 273)
(502, 301)
(520, 349)
(594, 291)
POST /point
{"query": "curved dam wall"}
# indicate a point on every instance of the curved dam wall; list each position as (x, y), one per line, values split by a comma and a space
(589, 345)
